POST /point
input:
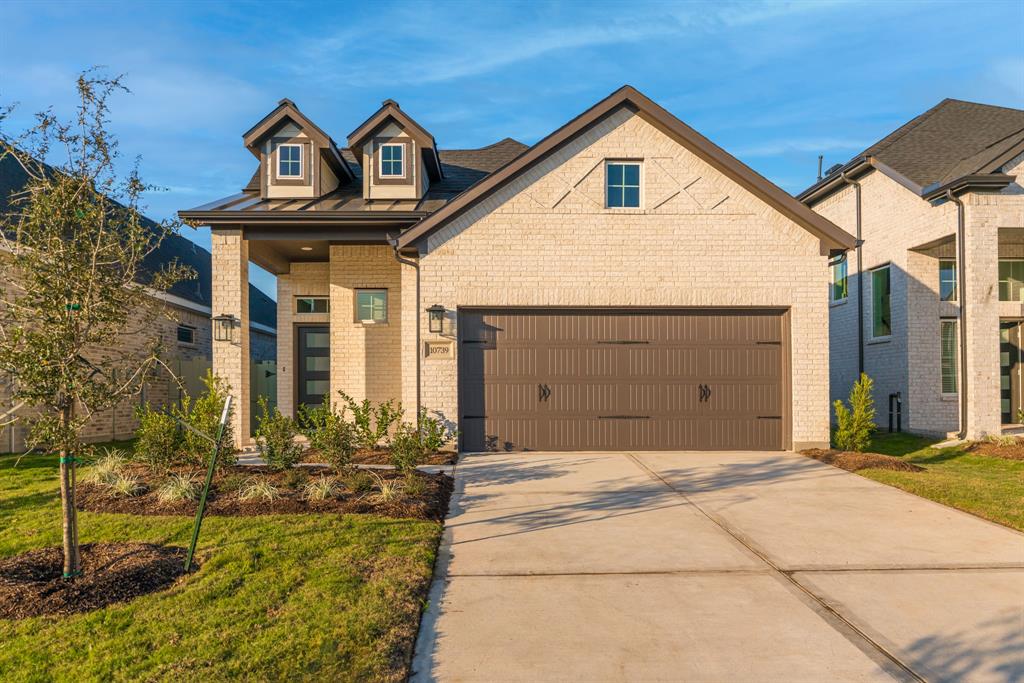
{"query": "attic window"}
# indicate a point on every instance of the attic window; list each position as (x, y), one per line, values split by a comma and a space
(392, 161)
(289, 161)
(622, 184)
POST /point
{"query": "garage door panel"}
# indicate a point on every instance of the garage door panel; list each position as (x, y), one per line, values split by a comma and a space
(593, 379)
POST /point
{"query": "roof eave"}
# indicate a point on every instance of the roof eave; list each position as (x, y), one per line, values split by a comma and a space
(984, 182)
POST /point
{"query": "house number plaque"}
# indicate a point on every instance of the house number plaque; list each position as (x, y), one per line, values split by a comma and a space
(439, 350)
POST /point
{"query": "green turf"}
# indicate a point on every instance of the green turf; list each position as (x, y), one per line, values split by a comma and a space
(986, 486)
(277, 597)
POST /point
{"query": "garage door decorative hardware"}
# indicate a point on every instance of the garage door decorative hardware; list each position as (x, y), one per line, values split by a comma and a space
(623, 341)
(544, 392)
(705, 393)
(771, 343)
(769, 417)
(623, 417)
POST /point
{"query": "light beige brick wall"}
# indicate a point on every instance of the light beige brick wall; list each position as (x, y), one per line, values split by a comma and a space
(230, 289)
(366, 359)
(304, 279)
(699, 240)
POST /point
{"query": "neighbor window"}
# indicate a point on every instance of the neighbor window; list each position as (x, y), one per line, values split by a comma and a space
(1011, 280)
(881, 320)
(622, 181)
(289, 161)
(837, 290)
(186, 334)
(311, 304)
(372, 305)
(948, 342)
(947, 280)
(391, 161)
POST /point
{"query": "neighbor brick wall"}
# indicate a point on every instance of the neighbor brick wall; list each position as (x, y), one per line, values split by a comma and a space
(699, 240)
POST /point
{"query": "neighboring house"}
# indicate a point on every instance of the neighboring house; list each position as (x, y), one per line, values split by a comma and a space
(940, 324)
(186, 333)
(622, 284)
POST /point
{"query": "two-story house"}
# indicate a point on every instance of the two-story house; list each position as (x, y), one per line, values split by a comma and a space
(930, 303)
(601, 289)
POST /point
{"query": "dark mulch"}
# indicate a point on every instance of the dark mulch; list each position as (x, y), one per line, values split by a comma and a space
(224, 501)
(997, 449)
(31, 583)
(852, 461)
(381, 456)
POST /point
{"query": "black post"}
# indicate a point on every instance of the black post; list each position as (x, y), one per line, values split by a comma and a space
(206, 488)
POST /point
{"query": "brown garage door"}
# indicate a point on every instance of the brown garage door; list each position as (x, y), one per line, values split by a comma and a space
(596, 379)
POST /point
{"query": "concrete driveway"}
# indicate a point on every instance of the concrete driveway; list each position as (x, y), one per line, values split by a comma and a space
(713, 567)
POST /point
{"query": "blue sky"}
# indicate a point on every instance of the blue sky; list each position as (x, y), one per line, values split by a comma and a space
(774, 83)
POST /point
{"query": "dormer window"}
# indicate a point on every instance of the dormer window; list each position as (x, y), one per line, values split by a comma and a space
(392, 161)
(289, 161)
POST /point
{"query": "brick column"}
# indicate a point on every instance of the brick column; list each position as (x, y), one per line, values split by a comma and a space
(230, 265)
(981, 302)
(410, 345)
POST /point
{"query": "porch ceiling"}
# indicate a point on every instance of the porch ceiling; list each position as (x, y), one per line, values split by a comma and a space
(278, 255)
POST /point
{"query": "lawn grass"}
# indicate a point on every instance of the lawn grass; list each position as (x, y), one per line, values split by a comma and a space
(984, 485)
(332, 597)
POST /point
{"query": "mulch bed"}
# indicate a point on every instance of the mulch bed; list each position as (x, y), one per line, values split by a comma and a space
(224, 501)
(381, 456)
(995, 449)
(852, 461)
(31, 583)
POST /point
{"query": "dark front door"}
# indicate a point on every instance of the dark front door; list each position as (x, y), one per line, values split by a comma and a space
(1010, 370)
(313, 365)
(594, 379)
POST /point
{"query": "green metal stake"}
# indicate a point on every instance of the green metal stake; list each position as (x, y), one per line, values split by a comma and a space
(206, 488)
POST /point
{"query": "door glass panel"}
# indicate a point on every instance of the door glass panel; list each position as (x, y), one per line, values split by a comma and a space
(318, 340)
(317, 386)
(318, 363)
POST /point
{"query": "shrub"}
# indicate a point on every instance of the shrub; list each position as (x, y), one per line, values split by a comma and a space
(359, 481)
(275, 437)
(434, 432)
(202, 413)
(126, 485)
(855, 425)
(406, 449)
(256, 488)
(415, 485)
(294, 479)
(231, 483)
(320, 488)
(179, 487)
(108, 467)
(372, 422)
(329, 434)
(159, 439)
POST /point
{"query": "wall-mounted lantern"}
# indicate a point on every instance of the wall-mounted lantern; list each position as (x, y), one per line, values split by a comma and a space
(435, 318)
(224, 327)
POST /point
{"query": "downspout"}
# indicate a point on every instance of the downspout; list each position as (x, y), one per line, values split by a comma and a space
(961, 282)
(860, 274)
(416, 265)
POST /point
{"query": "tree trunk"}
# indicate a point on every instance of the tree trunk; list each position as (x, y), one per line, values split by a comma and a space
(67, 500)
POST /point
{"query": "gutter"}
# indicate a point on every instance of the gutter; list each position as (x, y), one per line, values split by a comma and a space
(961, 281)
(860, 272)
(393, 241)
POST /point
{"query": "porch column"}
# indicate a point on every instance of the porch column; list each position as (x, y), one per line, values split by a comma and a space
(410, 343)
(230, 277)
(981, 305)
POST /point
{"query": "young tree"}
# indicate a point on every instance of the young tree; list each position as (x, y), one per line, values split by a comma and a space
(856, 424)
(74, 282)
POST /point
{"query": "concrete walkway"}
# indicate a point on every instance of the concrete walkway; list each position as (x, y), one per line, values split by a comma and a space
(713, 567)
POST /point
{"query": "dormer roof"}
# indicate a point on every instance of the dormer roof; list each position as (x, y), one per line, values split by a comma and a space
(288, 112)
(391, 112)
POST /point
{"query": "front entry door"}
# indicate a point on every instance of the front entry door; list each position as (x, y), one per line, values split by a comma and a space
(313, 365)
(1010, 370)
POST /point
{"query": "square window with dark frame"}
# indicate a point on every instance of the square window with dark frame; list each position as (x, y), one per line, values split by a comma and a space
(392, 158)
(837, 291)
(289, 161)
(1011, 279)
(947, 280)
(311, 304)
(881, 313)
(622, 184)
(371, 305)
(948, 344)
(186, 334)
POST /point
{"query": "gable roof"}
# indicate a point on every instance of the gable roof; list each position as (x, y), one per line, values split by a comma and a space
(262, 308)
(285, 111)
(952, 140)
(627, 96)
(390, 111)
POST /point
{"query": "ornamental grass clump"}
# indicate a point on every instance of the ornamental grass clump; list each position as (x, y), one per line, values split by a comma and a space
(179, 487)
(388, 490)
(256, 489)
(321, 488)
(856, 424)
(126, 485)
(107, 467)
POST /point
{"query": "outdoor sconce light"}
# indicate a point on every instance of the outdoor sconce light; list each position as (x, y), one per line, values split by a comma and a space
(224, 327)
(435, 318)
